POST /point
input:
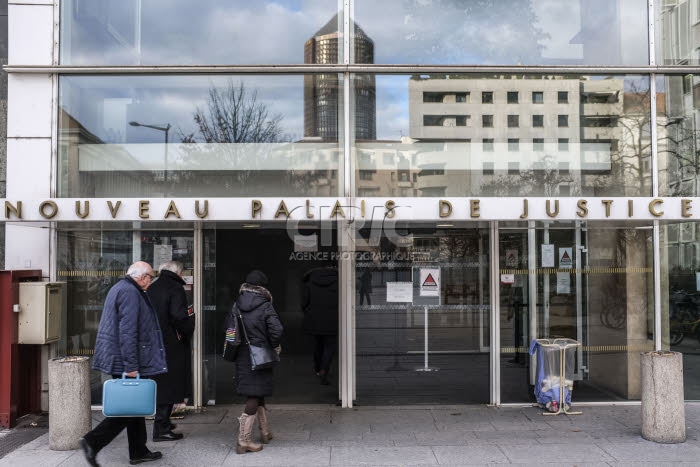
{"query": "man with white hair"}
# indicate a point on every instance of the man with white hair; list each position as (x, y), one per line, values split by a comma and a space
(129, 341)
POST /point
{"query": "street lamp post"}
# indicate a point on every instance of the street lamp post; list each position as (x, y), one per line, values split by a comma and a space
(164, 129)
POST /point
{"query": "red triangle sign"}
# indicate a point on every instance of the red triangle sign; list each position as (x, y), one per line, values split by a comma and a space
(429, 281)
(565, 256)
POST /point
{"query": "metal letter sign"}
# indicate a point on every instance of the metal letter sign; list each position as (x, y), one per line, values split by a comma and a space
(429, 282)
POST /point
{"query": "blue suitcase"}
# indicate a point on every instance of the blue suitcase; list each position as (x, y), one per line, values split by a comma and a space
(129, 397)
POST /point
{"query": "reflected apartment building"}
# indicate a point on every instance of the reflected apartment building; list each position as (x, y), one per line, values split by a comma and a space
(556, 133)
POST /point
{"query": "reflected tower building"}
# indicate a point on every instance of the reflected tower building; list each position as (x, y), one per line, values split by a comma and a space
(323, 92)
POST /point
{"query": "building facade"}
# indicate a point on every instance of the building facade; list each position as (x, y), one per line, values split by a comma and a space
(481, 174)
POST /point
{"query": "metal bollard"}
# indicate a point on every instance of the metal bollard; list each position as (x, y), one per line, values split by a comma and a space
(69, 402)
(663, 410)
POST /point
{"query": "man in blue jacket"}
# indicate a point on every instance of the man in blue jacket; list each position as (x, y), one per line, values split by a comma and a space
(129, 340)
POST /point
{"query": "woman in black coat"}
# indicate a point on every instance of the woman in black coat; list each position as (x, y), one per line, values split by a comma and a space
(170, 302)
(262, 326)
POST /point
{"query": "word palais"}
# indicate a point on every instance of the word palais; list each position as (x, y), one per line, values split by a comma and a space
(465, 192)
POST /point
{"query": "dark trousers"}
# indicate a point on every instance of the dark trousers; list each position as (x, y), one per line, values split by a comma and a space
(324, 349)
(161, 423)
(110, 427)
(364, 293)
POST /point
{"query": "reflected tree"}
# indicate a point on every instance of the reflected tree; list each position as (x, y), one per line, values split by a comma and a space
(234, 115)
(236, 128)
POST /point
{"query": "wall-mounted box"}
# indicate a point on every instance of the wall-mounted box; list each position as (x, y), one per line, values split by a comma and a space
(40, 312)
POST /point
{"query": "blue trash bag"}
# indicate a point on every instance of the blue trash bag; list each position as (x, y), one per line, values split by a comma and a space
(548, 375)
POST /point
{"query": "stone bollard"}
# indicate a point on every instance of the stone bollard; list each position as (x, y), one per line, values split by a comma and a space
(663, 410)
(69, 402)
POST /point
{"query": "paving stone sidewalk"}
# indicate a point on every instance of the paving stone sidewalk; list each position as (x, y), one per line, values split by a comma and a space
(403, 436)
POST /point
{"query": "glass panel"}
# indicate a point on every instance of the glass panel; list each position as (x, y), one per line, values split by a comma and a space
(677, 123)
(182, 32)
(92, 261)
(592, 283)
(400, 345)
(590, 136)
(507, 32)
(186, 136)
(676, 24)
(680, 302)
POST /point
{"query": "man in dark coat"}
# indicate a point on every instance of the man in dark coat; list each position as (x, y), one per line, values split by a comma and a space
(129, 341)
(170, 301)
(262, 327)
(320, 304)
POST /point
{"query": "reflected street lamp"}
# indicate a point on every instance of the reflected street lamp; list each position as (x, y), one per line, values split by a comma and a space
(164, 129)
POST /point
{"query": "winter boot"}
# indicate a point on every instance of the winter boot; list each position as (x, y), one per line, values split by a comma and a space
(244, 441)
(265, 433)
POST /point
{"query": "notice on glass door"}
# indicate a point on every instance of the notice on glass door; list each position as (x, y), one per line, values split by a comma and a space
(547, 256)
(566, 260)
(399, 292)
(563, 283)
(161, 254)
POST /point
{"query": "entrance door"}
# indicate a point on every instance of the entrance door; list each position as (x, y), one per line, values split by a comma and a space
(422, 312)
(571, 280)
(229, 255)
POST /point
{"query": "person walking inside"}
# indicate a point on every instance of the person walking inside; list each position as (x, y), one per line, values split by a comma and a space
(129, 341)
(366, 287)
(254, 303)
(168, 297)
(320, 304)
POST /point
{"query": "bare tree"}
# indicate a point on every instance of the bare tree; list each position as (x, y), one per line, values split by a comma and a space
(234, 115)
(237, 130)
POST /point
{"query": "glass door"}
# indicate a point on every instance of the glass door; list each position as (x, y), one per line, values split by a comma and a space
(590, 283)
(422, 311)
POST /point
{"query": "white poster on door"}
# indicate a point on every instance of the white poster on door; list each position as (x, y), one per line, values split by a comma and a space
(399, 292)
(547, 256)
(511, 258)
(429, 282)
(161, 254)
(563, 283)
(566, 260)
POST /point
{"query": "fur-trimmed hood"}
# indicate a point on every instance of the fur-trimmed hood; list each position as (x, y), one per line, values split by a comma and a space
(252, 296)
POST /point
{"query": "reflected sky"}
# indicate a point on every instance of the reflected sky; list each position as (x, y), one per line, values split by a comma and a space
(104, 105)
(510, 32)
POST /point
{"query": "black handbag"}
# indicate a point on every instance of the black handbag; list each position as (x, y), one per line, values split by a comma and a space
(232, 342)
(261, 356)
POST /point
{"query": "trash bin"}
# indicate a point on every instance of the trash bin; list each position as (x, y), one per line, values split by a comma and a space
(663, 410)
(69, 402)
(555, 373)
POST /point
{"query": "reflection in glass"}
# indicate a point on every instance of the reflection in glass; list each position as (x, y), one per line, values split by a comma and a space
(182, 32)
(567, 136)
(594, 286)
(227, 136)
(508, 32)
(675, 25)
(677, 123)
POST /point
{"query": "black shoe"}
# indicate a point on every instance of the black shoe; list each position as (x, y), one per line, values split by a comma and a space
(168, 436)
(148, 457)
(172, 426)
(90, 454)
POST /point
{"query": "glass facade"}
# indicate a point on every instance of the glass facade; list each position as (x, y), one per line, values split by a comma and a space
(446, 99)
(180, 136)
